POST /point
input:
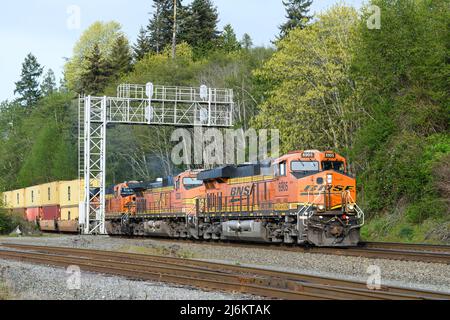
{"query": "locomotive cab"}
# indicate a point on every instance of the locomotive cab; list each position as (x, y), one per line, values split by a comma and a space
(319, 185)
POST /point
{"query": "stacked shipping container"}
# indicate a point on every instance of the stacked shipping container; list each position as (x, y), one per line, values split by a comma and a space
(53, 204)
(69, 199)
(33, 203)
(50, 209)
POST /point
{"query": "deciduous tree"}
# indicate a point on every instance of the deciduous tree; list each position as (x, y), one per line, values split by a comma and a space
(312, 99)
(101, 35)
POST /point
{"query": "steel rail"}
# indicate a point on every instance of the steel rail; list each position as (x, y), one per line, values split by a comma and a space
(280, 279)
(105, 267)
(372, 253)
(406, 246)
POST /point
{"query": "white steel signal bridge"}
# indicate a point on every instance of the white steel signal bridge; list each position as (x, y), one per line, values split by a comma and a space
(138, 105)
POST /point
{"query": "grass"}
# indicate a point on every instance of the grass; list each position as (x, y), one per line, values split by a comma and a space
(394, 228)
(160, 251)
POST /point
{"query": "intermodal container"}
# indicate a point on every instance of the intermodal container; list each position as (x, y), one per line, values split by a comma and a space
(70, 193)
(32, 214)
(70, 213)
(18, 199)
(49, 194)
(33, 197)
(50, 213)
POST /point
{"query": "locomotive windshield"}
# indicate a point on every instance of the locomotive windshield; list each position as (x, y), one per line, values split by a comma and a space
(333, 165)
(127, 192)
(191, 183)
(305, 166)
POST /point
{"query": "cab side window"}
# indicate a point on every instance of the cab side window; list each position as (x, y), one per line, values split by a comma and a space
(282, 169)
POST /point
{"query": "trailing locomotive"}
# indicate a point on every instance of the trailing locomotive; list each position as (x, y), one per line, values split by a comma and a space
(304, 197)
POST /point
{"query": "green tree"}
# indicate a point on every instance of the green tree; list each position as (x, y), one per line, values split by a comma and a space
(228, 40)
(48, 136)
(296, 14)
(28, 86)
(97, 73)
(102, 35)
(160, 26)
(312, 96)
(402, 72)
(48, 85)
(200, 26)
(246, 42)
(121, 57)
(143, 45)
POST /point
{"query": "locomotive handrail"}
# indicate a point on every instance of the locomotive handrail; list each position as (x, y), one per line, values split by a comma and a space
(359, 211)
(304, 210)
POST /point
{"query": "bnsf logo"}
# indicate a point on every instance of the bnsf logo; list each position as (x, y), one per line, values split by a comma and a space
(241, 191)
(328, 188)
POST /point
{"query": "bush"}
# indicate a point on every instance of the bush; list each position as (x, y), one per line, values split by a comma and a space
(424, 209)
(5, 222)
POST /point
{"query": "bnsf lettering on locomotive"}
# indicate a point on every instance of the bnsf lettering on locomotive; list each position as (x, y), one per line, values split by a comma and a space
(337, 188)
(241, 191)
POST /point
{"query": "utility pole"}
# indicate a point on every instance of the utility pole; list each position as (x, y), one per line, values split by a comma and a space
(174, 38)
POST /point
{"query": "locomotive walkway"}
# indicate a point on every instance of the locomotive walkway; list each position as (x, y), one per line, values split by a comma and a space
(211, 276)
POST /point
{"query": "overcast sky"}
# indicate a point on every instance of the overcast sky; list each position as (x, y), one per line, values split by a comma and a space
(41, 27)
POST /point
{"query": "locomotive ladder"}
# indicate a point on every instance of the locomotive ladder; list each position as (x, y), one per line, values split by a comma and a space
(138, 105)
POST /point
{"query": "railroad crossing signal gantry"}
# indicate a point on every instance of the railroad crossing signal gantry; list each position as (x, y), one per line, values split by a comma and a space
(138, 105)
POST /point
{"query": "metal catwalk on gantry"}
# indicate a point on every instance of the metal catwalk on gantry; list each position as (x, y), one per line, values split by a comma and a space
(138, 105)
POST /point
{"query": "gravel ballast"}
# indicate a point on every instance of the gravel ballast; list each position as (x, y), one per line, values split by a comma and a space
(425, 276)
(34, 282)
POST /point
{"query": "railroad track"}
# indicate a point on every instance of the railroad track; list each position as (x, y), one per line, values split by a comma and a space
(371, 250)
(406, 246)
(212, 276)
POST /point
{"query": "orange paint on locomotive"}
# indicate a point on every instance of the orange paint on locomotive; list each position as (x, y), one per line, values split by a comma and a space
(295, 179)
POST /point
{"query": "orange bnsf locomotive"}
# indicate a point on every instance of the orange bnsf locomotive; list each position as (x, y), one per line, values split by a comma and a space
(304, 197)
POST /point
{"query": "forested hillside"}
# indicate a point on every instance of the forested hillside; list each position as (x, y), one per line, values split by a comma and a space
(377, 96)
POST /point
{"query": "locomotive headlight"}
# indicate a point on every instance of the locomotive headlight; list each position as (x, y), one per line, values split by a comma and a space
(351, 207)
(321, 208)
(329, 178)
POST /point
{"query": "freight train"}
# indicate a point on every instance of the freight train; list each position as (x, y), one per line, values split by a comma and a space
(53, 207)
(304, 197)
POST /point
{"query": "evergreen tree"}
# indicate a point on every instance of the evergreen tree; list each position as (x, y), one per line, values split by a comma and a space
(160, 27)
(200, 26)
(28, 86)
(121, 58)
(297, 15)
(142, 46)
(97, 73)
(228, 39)
(246, 41)
(48, 85)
